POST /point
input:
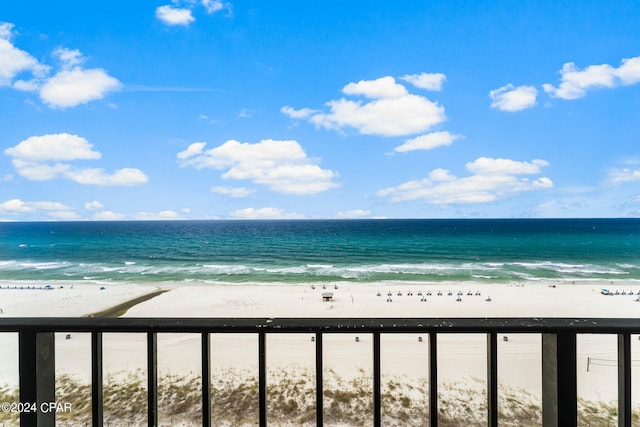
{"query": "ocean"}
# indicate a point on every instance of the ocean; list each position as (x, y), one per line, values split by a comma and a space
(320, 251)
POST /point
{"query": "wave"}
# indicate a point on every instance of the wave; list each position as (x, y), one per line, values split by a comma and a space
(243, 272)
(43, 265)
(559, 267)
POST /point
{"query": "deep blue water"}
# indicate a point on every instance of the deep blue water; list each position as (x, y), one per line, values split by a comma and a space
(321, 250)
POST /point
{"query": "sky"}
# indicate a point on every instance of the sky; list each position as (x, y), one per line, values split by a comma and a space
(212, 109)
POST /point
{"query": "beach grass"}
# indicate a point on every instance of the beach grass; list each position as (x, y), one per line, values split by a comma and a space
(291, 401)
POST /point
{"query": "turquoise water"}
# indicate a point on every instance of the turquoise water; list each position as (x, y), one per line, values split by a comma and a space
(321, 250)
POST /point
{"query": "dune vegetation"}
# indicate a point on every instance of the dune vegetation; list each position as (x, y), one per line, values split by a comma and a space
(291, 401)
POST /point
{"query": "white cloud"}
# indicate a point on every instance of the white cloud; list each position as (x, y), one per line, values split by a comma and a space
(14, 61)
(428, 81)
(213, 6)
(174, 16)
(511, 98)
(70, 88)
(427, 142)
(302, 113)
(384, 87)
(70, 58)
(6, 31)
(235, 192)
(355, 213)
(489, 166)
(629, 71)
(390, 110)
(40, 158)
(282, 166)
(72, 85)
(108, 216)
(53, 147)
(575, 82)
(63, 215)
(27, 85)
(158, 216)
(51, 209)
(35, 171)
(619, 176)
(193, 150)
(96, 176)
(264, 213)
(93, 206)
(491, 179)
(15, 206)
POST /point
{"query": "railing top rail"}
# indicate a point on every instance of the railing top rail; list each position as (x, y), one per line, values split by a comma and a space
(328, 325)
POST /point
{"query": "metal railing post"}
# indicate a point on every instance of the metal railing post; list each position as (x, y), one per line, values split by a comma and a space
(624, 380)
(492, 379)
(152, 379)
(37, 377)
(567, 379)
(262, 379)
(206, 379)
(97, 401)
(377, 383)
(559, 379)
(319, 380)
(433, 379)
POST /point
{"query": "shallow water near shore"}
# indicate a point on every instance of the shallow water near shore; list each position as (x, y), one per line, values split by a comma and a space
(307, 251)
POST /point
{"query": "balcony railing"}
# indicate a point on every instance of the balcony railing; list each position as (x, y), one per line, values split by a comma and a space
(559, 385)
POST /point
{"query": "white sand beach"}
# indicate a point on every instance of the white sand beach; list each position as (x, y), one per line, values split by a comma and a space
(461, 357)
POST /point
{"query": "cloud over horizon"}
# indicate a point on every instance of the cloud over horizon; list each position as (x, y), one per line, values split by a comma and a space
(281, 166)
(47, 157)
(490, 180)
(55, 210)
(623, 175)
(264, 213)
(385, 108)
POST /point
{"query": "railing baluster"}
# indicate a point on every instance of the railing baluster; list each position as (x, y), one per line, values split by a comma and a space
(97, 401)
(377, 416)
(262, 378)
(559, 379)
(37, 377)
(319, 386)
(492, 379)
(549, 380)
(433, 379)
(152, 379)
(206, 379)
(567, 380)
(624, 380)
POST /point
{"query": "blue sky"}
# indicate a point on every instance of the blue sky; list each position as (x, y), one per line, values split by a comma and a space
(206, 109)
